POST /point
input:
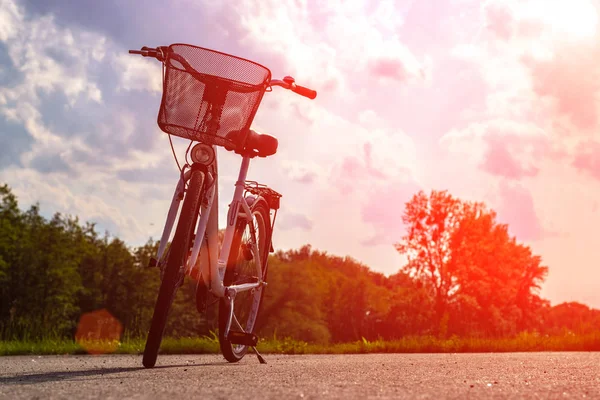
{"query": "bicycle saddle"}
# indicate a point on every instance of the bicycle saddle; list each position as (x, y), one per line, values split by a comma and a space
(258, 144)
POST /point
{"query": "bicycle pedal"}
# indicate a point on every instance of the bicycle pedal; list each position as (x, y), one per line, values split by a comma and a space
(247, 339)
(152, 263)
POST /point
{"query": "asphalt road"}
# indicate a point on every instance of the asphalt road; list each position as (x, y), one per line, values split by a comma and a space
(439, 376)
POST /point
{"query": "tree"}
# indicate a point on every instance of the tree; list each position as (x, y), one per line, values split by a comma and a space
(482, 281)
(570, 318)
(11, 227)
(411, 309)
(498, 277)
(431, 222)
(465, 275)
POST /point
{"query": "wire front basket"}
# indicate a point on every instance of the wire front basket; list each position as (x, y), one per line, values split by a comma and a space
(209, 96)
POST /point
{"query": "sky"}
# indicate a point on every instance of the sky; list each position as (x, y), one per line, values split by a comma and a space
(495, 101)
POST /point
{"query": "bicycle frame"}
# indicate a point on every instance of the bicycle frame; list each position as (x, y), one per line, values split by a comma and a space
(212, 268)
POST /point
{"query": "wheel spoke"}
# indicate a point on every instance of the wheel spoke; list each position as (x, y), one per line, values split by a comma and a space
(250, 253)
(238, 323)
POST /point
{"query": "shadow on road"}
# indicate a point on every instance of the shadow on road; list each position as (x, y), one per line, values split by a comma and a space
(26, 379)
(29, 379)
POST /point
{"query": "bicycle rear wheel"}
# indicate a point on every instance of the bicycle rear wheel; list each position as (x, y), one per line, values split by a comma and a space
(174, 270)
(241, 268)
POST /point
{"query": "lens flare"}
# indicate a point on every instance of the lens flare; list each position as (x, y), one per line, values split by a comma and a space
(98, 332)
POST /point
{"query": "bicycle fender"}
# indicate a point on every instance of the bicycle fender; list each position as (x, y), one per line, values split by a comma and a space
(259, 200)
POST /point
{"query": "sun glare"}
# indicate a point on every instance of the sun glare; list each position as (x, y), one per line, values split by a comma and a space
(575, 18)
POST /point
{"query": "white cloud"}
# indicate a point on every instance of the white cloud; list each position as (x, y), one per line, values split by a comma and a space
(137, 73)
(291, 220)
(307, 172)
(51, 59)
(335, 45)
(541, 103)
(70, 167)
(10, 19)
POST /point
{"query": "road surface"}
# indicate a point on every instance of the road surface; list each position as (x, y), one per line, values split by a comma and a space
(423, 376)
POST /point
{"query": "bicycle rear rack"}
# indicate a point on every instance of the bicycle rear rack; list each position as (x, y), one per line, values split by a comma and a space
(270, 195)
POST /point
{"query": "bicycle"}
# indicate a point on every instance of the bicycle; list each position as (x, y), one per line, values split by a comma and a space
(211, 98)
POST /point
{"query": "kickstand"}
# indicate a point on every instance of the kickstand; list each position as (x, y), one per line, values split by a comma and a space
(260, 358)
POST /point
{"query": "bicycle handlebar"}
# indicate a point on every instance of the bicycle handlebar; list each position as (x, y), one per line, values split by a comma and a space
(145, 51)
(160, 54)
(289, 83)
(304, 91)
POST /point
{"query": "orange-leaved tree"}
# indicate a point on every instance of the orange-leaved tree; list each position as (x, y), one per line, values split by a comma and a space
(482, 281)
(430, 222)
(498, 277)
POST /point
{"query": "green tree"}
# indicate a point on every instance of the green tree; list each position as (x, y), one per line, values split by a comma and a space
(43, 279)
(294, 301)
(411, 308)
(11, 227)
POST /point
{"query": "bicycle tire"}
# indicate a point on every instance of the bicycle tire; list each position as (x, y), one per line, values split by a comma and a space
(173, 275)
(231, 352)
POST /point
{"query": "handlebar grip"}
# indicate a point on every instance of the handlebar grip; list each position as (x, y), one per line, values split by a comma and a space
(304, 91)
(145, 52)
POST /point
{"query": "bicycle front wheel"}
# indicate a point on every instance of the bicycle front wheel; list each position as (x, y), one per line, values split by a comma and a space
(174, 270)
(241, 268)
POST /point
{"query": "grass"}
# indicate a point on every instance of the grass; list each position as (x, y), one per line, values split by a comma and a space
(210, 345)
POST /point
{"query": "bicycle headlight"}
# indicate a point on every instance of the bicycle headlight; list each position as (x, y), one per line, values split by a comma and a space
(202, 154)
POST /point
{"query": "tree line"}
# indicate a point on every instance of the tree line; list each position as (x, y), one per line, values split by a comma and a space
(464, 275)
